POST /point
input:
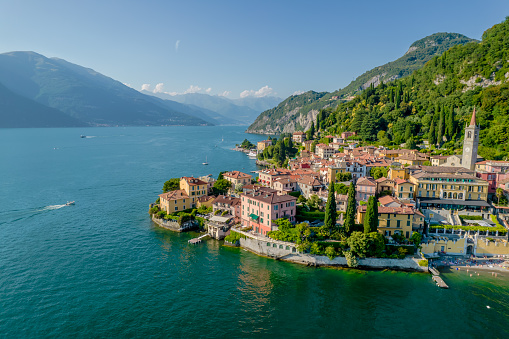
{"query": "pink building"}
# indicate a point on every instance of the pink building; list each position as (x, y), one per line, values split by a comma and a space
(345, 135)
(365, 188)
(260, 208)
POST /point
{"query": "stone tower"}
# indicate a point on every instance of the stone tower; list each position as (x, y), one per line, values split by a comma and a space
(470, 144)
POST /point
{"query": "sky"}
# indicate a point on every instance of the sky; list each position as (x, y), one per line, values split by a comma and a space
(235, 48)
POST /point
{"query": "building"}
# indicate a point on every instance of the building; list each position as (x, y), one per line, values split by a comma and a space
(345, 135)
(209, 179)
(384, 184)
(284, 185)
(365, 188)
(299, 137)
(395, 220)
(307, 145)
(205, 200)
(237, 178)
(260, 209)
(324, 151)
(261, 145)
(449, 188)
(412, 159)
(398, 173)
(308, 185)
(174, 201)
(227, 204)
(194, 188)
(218, 227)
(470, 144)
(404, 189)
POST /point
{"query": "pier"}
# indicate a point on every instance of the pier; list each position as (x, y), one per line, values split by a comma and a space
(437, 279)
(195, 241)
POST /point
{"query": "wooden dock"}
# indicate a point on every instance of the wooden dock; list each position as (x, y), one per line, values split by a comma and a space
(439, 281)
(195, 241)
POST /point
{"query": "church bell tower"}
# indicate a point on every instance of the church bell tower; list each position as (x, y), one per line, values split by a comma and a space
(470, 144)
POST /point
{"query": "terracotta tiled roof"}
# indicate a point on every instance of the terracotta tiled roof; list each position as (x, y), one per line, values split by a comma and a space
(174, 195)
(236, 175)
(390, 210)
(299, 133)
(224, 199)
(366, 181)
(269, 198)
(387, 199)
(194, 181)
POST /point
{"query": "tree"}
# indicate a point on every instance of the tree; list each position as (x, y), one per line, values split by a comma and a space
(314, 201)
(410, 143)
(440, 131)
(341, 188)
(221, 186)
(343, 176)
(350, 210)
(330, 210)
(351, 259)
(220, 176)
(330, 252)
(416, 238)
(376, 244)
(431, 134)
(371, 217)
(358, 243)
(171, 185)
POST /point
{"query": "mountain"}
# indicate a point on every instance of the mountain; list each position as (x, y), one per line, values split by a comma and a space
(17, 111)
(84, 94)
(243, 110)
(305, 107)
(436, 102)
(258, 104)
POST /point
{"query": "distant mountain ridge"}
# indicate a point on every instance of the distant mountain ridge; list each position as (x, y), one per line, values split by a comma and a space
(84, 95)
(297, 112)
(241, 111)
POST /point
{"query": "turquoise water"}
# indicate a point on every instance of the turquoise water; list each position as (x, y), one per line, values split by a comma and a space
(102, 269)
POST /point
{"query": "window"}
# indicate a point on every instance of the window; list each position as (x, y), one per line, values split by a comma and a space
(408, 224)
(268, 244)
(398, 223)
(276, 207)
(176, 208)
(388, 224)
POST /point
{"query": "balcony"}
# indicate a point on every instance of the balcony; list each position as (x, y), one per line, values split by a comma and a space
(453, 194)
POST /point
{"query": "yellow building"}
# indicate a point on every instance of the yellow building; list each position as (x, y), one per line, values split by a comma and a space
(412, 159)
(174, 201)
(194, 188)
(398, 173)
(478, 246)
(395, 220)
(404, 189)
(261, 145)
(449, 188)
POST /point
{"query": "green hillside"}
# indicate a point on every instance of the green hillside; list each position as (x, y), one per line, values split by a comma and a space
(436, 102)
(280, 118)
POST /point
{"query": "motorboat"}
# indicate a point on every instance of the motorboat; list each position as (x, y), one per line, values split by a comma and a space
(70, 203)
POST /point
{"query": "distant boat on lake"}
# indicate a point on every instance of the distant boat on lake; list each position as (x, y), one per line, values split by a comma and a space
(205, 163)
(83, 136)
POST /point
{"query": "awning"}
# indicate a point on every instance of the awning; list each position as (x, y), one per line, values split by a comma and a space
(480, 203)
(253, 216)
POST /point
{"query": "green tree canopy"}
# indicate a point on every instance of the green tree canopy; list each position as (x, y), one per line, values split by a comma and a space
(351, 208)
(171, 185)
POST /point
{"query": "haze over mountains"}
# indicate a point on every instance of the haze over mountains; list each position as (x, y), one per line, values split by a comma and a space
(37, 91)
(297, 111)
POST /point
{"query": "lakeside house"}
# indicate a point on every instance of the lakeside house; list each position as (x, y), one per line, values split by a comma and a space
(237, 178)
(260, 208)
(299, 137)
(395, 220)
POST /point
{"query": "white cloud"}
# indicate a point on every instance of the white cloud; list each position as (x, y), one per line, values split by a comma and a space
(262, 92)
(159, 88)
(128, 85)
(298, 92)
(224, 94)
(177, 44)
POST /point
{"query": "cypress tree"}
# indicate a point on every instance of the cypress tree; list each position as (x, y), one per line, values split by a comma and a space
(374, 225)
(450, 123)
(371, 217)
(330, 209)
(318, 122)
(350, 210)
(431, 134)
(440, 130)
(312, 129)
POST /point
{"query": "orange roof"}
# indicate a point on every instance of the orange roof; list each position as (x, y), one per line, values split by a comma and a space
(389, 210)
(193, 181)
(174, 195)
(236, 175)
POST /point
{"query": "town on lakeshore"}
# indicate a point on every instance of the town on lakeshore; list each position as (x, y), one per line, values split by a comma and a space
(325, 200)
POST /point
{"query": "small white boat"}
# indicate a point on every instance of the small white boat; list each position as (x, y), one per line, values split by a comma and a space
(83, 136)
(70, 203)
(205, 163)
(252, 154)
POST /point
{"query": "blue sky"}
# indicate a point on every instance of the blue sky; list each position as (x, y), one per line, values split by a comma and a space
(238, 47)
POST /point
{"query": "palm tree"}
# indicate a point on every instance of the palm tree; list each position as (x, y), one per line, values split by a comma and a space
(499, 194)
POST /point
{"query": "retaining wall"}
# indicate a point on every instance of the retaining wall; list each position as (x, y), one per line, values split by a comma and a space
(285, 251)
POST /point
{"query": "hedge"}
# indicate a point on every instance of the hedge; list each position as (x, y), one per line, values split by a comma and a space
(470, 217)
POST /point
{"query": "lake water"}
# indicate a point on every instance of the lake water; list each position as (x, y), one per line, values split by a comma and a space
(101, 268)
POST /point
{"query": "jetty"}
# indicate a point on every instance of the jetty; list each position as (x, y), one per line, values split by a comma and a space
(437, 279)
(195, 241)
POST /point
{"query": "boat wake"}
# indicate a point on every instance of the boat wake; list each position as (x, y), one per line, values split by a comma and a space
(7, 217)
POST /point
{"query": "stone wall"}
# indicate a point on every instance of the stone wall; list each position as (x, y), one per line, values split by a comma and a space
(287, 251)
(175, 226)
